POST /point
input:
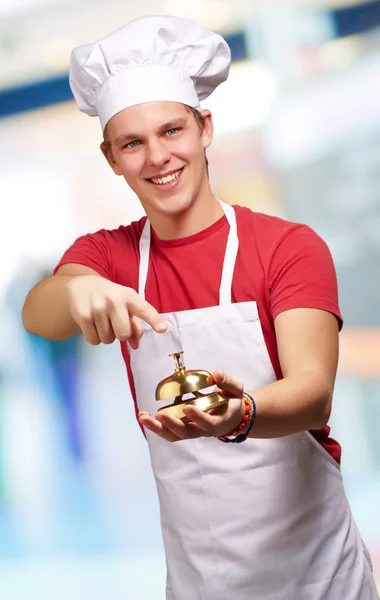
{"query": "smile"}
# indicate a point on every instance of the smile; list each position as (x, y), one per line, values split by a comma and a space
(168, 179)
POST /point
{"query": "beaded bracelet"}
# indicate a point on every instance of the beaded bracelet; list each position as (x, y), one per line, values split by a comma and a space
(249, 416)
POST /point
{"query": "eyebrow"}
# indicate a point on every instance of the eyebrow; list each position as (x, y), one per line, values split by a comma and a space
(124, 138)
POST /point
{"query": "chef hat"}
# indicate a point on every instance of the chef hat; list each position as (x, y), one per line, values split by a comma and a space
(150, 59)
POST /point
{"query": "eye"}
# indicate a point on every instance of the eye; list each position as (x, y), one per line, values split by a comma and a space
(171, 131)
(132, 144)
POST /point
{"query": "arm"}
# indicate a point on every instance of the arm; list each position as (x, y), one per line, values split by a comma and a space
(46, 311)
(308, 350)
(78, 300)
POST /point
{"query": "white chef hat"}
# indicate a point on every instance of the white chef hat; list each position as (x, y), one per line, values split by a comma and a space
(158, 58)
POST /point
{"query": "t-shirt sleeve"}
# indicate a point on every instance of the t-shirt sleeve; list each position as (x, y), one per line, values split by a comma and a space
(302, 274)
(91, 250)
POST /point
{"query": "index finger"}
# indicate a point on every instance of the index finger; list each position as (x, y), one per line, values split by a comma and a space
(138, 307)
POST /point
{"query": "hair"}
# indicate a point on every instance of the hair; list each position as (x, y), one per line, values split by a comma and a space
(199, 119)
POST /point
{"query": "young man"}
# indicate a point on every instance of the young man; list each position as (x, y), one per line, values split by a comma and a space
(249, 297)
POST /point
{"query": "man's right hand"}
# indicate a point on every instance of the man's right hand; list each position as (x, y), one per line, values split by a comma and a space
(105, 311)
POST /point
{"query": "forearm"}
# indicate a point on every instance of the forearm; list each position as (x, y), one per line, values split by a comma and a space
(46, 310)
(297, 403)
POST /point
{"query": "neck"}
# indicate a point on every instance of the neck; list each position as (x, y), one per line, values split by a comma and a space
(201, 213)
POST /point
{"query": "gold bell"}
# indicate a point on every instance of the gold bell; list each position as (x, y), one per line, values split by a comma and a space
(187, 382)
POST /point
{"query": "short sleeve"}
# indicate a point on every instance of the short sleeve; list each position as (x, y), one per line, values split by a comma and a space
(302, 274)
(91, 250)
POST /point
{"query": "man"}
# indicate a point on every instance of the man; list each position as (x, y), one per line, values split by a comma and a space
(249, 297)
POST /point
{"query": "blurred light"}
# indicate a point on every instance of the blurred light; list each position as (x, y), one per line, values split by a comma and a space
(12, 6)
(244, 100)
(360, 352)
(314, 27)
(332, 3)
(313, 121)
(39, 196)
(340, 54)
(56, 53)
(213, 14)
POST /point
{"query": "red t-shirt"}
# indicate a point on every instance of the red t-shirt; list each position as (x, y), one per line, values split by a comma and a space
(280, 265)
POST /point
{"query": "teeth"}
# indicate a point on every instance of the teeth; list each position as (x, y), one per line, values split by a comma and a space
(171, 177)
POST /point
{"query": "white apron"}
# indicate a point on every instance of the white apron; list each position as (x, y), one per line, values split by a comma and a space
(261, 520)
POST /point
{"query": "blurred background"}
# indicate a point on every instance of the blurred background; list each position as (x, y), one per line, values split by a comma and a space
(297, 135)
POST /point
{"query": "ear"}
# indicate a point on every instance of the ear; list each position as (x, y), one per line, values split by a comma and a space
(109, 158)
(208, 129)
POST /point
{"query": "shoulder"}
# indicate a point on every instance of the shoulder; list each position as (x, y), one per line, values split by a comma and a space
(106, 251)
(112, 243)
(125, 235)
(298, 267)
(257, 221)
(269, 232)
(284, 245)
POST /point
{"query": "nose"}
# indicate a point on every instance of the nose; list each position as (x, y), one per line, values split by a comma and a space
(157, 153)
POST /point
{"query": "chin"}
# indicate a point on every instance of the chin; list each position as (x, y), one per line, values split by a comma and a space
(172, 207)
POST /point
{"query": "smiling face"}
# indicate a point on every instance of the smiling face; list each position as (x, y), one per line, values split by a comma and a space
(159, 149)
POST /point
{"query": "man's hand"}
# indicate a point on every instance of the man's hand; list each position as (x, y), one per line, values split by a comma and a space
(78, 300)
(220, 421)
(106, 311)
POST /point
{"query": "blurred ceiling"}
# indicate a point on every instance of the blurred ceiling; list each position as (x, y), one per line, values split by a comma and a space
(16, 6)
(37, 36)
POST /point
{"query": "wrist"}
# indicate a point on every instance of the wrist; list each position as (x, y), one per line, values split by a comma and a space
(241, 413)
(246, 421)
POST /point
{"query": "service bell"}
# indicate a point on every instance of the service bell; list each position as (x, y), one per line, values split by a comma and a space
(184, 382)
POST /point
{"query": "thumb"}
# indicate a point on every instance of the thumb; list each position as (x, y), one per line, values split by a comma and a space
(233, 386)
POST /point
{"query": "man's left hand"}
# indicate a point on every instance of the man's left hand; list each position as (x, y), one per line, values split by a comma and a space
(217, 422)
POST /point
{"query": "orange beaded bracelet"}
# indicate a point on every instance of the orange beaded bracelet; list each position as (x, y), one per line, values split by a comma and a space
(248, 415)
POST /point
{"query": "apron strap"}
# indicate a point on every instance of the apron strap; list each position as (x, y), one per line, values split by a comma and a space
(225, 293)
(144, 258)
